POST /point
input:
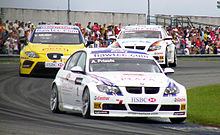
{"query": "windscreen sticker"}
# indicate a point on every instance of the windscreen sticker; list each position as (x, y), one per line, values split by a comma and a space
(58, 30)
(56, 27)
(133, 41)
(141, 28)
(115, 50)
(124, 55)
(102, 61)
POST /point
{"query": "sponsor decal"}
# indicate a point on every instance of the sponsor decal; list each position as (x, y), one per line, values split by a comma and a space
(179, 113)
(142, 28)
(56, 27)
(97, 105)
(103, 61)
(161, 57)
(135, 78)
(55, 49)
(142, 100)
(101, 98)
(120, 101)
(179, 100)
(53, 64)
(58, 30)
(158, 53)
(60, 64)
(183, 107)
(101, 112)
(126, 55)
(68, 76)
(102, 79)
(139, 99)
(139, 41)
(141, 113)
(152, 100)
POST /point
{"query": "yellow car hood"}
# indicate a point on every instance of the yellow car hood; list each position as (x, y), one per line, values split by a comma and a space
(50, 48)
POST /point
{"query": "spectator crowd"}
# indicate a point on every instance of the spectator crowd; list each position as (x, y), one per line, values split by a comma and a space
(188, 40)
(191, 40)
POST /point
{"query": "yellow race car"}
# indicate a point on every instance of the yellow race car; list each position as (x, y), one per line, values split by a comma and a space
(48, 43)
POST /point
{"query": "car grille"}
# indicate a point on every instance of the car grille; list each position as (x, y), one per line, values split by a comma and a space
(135, 47)
(27, 64)
(114, 107)
(134, 90)
(129, 47)
(143, 107)
(169, 108)
(40, 69)
(151, 90)
(54, 56)
(138, 90)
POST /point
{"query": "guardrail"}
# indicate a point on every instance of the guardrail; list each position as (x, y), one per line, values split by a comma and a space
(6, 57)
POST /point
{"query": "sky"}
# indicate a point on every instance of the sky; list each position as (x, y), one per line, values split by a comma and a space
(167, 7)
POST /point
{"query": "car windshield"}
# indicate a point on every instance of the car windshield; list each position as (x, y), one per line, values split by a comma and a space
(56, 38)
(123, 64)
(140, 34)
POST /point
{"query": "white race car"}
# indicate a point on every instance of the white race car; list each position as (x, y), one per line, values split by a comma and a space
(151, 38)
(117, 82)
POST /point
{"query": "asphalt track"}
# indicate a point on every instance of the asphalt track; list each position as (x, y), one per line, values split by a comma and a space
(24, 107)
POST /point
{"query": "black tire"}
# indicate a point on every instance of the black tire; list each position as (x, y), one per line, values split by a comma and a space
(86, 104)
(54, 100)
(175, 61)
(177, 120)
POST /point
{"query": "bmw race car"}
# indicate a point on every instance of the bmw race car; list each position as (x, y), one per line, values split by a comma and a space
(48, 43)
(117, 82)
(151, 38)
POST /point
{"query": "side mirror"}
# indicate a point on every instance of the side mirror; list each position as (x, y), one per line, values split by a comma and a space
(168, 71)
(89, 43)
(78, 69)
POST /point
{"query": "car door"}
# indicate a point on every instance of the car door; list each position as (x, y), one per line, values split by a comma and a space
(79, 79)
(67, 80)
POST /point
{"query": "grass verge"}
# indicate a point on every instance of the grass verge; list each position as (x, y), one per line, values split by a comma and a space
(204, 105)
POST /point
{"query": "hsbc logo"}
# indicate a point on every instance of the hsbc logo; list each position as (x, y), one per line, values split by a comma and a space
(152, 100)
(142, 100)
(60, 64)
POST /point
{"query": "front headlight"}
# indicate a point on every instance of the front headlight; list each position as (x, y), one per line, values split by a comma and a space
(32, 54)
(171, 89)
(155, 46)
(108, 89)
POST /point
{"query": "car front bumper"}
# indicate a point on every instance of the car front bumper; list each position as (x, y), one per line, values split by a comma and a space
(138, 106)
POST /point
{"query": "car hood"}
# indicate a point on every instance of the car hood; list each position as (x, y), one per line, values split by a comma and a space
(132, 79)
(137, 42)
(50, 48)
